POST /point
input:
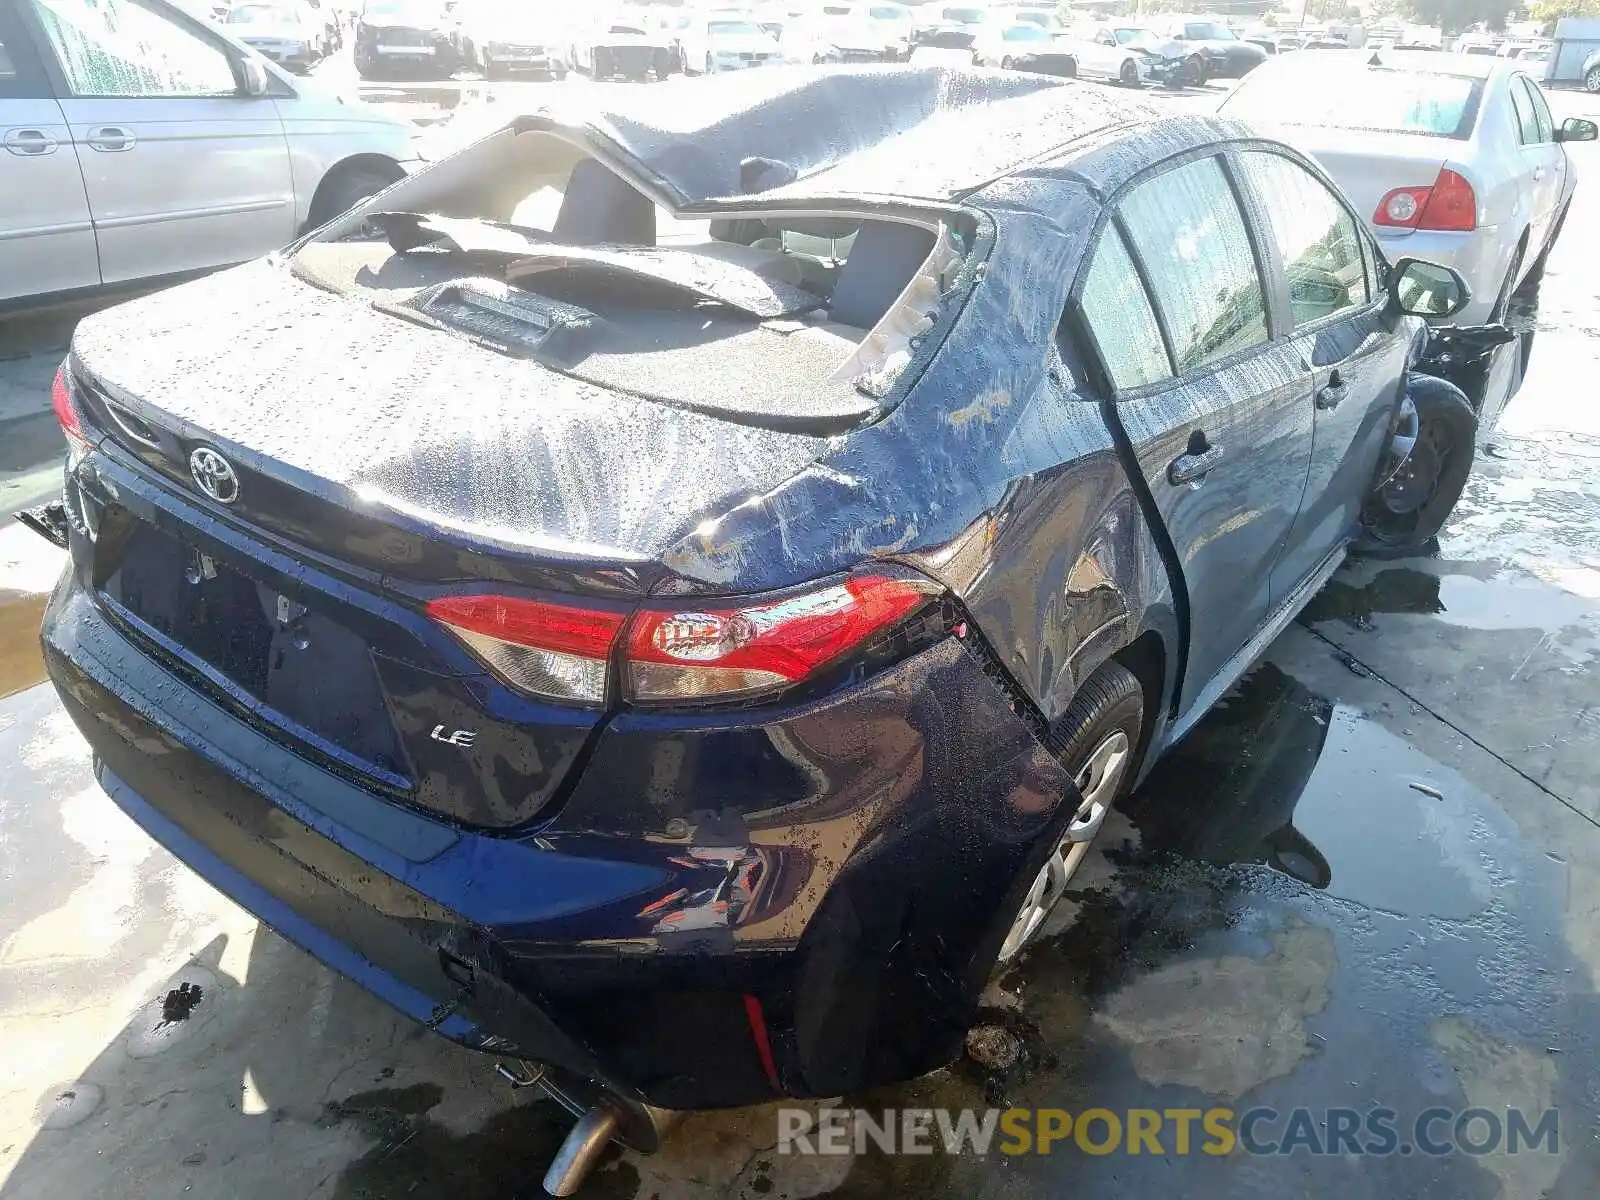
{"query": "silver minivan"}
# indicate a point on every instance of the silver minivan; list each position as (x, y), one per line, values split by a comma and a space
(140, 142)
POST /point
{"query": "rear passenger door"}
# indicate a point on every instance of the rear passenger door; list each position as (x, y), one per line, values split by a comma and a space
(1544, 162)
(1213, 407)
(46, 237)
(1353, 360)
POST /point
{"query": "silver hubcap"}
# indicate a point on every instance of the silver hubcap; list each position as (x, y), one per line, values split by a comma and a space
(1098, 782)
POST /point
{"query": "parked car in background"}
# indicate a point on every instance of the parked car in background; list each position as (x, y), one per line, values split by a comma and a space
(1227, 55)
(730, 770)
(517, 37)
(1025, 48)
(1044, 18)
(285, 31)
(730, 42)
(1454, 158)
(619, 48)
(1101, 56)
(954, 45)
(1171, 62)
(929, 18)
(150, 145)
(417, 38)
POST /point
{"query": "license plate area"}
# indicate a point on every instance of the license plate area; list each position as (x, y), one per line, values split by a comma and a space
(296, 667)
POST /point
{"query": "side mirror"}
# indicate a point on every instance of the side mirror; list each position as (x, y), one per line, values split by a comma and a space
(1425, 289)
(1577, 129)
(253, 78)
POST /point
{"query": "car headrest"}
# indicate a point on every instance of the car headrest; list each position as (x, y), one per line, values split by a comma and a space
(600, 207)
(884, 258)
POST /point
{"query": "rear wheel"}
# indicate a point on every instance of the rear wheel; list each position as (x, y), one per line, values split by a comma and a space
(1008, 63)
(1432, 444)
(1591, 80)
(1096, 741)
(1508, 286)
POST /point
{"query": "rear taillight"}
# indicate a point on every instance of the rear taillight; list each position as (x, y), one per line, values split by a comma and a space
(720, 651)
(711, 652)
(66, 410)
(1449, 205)
(552, 650)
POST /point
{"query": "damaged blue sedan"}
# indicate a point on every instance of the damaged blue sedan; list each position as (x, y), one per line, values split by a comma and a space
(669, 594)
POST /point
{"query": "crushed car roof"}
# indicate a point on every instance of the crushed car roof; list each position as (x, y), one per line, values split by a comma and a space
(925, 133)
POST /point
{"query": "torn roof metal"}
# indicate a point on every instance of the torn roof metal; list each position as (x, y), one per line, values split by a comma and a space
(922, 133)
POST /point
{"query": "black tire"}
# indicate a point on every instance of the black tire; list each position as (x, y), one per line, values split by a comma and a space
(1403, 515)
(1591, 80)
(1509, 285)
(1197, 71)
(1008, 63)
(1536, 272)
(1128, 75)
(1109, 704)
(347, 189)
(1112, 698)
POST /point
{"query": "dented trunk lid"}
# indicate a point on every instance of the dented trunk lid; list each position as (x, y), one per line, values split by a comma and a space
(412, 451)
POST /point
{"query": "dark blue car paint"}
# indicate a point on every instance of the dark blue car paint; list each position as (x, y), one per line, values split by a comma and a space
(891, 822)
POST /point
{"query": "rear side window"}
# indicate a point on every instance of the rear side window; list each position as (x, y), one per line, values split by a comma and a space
(1316, 236)
(1186, 226)
(1119, 316)
(1527, 123)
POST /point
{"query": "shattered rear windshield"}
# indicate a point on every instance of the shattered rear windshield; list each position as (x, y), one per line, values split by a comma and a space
(1381, 99)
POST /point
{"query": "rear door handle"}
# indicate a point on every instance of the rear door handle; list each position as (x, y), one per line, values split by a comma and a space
(1331, 393)
(29, 142)
(112, 139)
(1194, 465)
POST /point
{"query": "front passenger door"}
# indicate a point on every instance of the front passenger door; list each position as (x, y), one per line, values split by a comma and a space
(1212, 404)
(183, 172)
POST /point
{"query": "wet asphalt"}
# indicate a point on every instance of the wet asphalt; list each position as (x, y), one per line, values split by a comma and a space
(1370, 880)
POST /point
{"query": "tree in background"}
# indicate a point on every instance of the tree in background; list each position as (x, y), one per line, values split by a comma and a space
(1548, 12)
(1452, 16)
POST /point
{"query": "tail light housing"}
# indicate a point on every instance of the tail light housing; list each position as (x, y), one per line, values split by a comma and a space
(711, 652)
(1449, 204)
(65, 407)
(556, 651)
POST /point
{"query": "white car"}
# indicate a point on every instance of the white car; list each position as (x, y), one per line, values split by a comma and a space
(1106, 58)
(1026, 48)
(1452, 158)
(151, 145)
(287, 32)
(731, 42)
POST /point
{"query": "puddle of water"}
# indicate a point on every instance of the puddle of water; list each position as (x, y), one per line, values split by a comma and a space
(21, 663)
(1281, 777)
(1505, 600)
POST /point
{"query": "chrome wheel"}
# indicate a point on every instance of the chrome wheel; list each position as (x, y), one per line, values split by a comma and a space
(1099, 781)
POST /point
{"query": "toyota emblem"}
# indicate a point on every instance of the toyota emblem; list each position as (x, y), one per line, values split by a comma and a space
(214, 475)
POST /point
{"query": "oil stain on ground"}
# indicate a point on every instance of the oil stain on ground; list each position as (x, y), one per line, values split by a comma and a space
(414, 1155)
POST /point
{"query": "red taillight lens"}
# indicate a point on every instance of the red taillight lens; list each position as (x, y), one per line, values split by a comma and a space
(713, 651)
(550, 650)
(1401, 207)
(718, 651)
(1449, 205)
(1453, 205)
(61, 402)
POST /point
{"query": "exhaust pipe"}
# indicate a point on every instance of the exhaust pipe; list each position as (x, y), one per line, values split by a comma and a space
(604, 1118)
(581, 1151)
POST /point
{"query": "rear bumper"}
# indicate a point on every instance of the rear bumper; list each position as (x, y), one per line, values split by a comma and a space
(839, 875)
(1479, 257)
